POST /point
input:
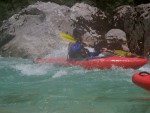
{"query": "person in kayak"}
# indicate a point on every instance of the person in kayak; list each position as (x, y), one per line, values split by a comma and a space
(117, 42)
(81, 49)
(76, 50)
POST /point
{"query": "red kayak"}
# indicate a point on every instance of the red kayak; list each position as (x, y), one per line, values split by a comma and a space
(99, 63)
(142, 80)
(108, 62)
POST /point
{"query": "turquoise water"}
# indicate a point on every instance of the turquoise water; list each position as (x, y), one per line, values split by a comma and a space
(42, 88)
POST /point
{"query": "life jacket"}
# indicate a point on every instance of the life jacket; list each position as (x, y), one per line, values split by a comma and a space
(74, 50)
(77, 51)
(75, 47)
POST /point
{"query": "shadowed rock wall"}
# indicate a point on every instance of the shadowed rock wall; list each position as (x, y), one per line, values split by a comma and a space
(135, 21)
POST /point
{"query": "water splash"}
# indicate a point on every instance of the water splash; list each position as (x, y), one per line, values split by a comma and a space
(145, 68)
(59, 73)
(58, 53)
(32, 69)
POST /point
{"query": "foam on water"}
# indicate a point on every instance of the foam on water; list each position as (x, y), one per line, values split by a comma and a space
(59, 73)
(32, 69)
(58, 53)
(145, 68)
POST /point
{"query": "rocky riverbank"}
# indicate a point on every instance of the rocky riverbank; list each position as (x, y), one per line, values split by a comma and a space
(34, 31)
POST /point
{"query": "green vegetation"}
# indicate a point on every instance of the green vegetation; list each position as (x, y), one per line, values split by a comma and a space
(10, 7)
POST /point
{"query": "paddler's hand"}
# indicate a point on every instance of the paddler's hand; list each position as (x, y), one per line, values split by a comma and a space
(129, 54)
(106, 50)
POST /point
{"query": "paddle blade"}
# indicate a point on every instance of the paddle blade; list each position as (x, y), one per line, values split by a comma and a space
(120, 52)
(67, 37)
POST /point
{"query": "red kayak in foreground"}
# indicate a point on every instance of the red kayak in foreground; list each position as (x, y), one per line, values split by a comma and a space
(99, 63)
(142, 80)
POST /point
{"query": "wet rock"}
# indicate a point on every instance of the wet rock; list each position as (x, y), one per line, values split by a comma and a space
(116, 40)
(7, 33)
(93, 20)
(35, 31)
(36, 28)
(135, 21)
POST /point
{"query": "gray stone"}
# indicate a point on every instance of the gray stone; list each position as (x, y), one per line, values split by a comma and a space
(34, 31)
(118, 36)
(135, 21)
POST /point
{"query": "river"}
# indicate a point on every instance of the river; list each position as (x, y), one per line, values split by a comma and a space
(26, 87)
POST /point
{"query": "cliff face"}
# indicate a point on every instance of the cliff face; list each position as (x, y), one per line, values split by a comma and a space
(34, 31)
(135, 21)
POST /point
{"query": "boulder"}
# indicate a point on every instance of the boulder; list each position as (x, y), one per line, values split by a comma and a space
(116, 40)
(135, 21)
(94, 21)
(34, 31)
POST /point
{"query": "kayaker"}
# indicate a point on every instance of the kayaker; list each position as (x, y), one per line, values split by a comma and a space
(116, 40)
(77, 50)
(82, 48)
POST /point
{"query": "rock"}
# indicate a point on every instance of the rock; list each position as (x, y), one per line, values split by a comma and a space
(135, 21)
(116, 40)
(116, 34)
(93, 20)
(144, 21)
(7, 33)
(35, 29)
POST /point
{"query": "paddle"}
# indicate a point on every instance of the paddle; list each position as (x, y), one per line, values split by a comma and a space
(120, 52)
(125, 54)
(67, 37)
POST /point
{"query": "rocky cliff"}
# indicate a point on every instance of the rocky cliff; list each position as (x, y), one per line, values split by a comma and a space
(34, 31)
(135, 21)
